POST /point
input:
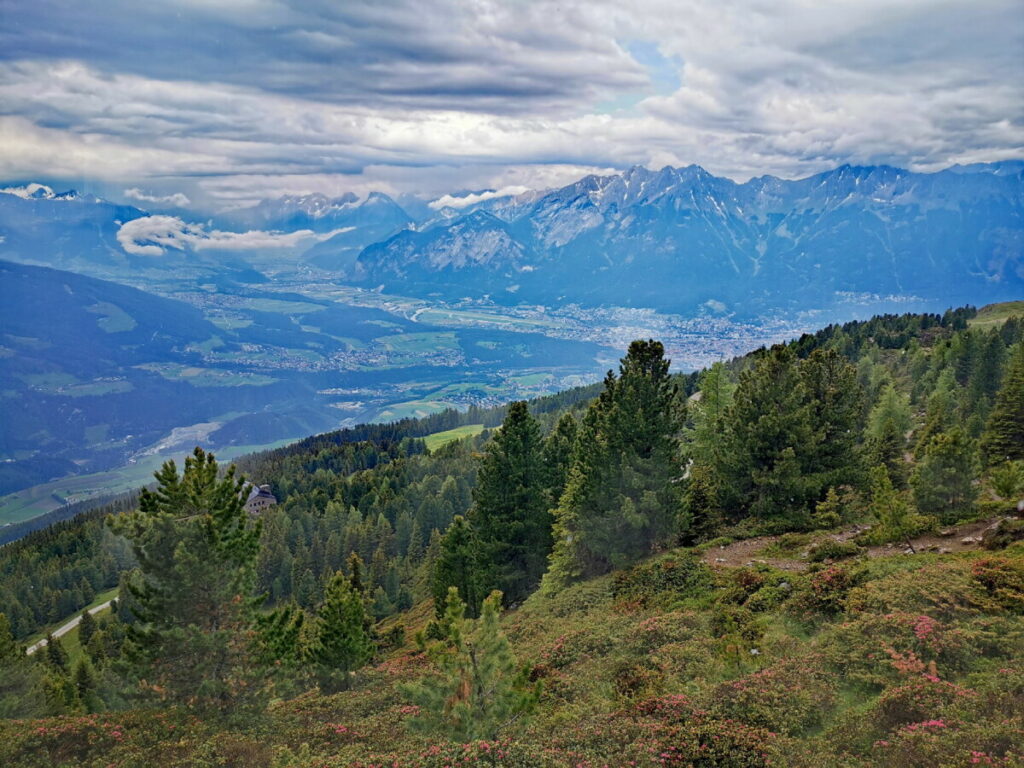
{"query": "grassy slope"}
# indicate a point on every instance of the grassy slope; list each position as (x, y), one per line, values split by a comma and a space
(438, 439)
(647, 665)
(996, 314)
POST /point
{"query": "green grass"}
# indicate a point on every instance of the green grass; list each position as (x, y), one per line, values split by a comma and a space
(70, 640)
(438, 439)
(997, 314)
(283, 307)
(114, 319)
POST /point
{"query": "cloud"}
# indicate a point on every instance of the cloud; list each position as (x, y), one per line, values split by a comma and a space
(439, 95)
(153, 235)
(177, 199)
(464, 201)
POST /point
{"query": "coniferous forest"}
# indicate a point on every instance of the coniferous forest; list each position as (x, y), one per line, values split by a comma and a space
(811, 555)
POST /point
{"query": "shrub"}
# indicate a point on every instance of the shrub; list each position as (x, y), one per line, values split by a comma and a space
(1003, 579)
(678, 575)
(822, 593)
(830, 549)
(789, 699)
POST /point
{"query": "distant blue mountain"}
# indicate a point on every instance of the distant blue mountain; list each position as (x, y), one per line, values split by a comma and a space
(676, 238)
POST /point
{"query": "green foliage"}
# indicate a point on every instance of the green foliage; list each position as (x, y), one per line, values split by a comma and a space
(1008, 480)
(341, 643)
(1003, 439)
(830, 549)
(895, 519)
(511, 502)
(622, 497)
(885, 436)
(944, 480)
(664, 579)
(480, 689)
(459, 565)
(196, 548)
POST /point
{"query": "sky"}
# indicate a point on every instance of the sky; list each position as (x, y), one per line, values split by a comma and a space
(218, 103)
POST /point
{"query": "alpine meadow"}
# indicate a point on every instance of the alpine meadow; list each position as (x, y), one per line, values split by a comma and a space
(524, 385)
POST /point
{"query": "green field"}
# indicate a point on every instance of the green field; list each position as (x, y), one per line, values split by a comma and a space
(419, 343)
(997, 314)
(207, 377)
(438, 439)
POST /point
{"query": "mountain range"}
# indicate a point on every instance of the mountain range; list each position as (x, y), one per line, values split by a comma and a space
(677, 238)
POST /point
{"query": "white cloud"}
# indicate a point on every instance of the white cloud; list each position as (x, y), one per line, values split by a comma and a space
(153, 235)
(177, 199)
(491, 94)
(464, 201)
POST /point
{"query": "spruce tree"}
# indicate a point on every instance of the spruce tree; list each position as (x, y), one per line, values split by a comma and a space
(623, 497)
(943, 481)
(1003, 439)
(194, 601)
(558, 448)
(706, 448)
(459, 564)
(86, 628)
(510, 512)
(479, 688)
(342, 643)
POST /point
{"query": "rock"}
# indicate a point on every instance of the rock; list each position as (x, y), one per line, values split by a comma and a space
(908, 551)
(944, 550)
(719, 559)
(968, 540)
(785, 586)
(947, 532)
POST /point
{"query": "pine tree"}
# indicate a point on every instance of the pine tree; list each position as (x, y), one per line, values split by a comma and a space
(623, 497)
(342, 644)
(194, 601)
(943, 481)
(510, 512)
(836, 402)
(20, 683)
(480, 689)
(1003, 439)
(459, 565)
(771, 438)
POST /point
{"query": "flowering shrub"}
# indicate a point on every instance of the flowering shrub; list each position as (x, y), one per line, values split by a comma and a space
(673, 576)
(1003, 579)
(919, 701)
(822, 593)
(940, 743)
(789, 699)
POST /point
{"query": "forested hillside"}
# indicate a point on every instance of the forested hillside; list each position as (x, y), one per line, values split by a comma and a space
(806, 556)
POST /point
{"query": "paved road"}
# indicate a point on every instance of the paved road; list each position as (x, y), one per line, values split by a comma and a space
(67, 627)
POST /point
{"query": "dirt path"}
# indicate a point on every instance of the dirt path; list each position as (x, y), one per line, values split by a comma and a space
(957, 538)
